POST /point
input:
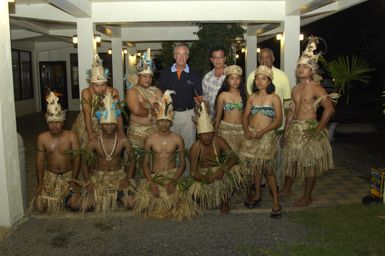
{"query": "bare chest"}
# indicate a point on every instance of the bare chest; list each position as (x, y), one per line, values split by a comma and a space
(304, 96)
(165, 147)
(57, 146)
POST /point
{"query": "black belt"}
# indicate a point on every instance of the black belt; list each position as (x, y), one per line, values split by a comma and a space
(183, 109)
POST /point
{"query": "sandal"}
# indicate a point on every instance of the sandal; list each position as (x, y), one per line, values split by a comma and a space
(253, 203)
(276, 214)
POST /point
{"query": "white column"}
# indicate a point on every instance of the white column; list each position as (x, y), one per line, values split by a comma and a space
(131, 61)
(11, 203)
(251, 54)
(36, 79)
(290, 47)
(117, 65)
(86, 49)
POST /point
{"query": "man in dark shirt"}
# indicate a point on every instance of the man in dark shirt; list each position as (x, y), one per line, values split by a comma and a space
(187, 84)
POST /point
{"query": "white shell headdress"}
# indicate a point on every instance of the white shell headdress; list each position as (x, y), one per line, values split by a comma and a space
(145, 65)
(165, 109)
(54, 110)
(97, 73)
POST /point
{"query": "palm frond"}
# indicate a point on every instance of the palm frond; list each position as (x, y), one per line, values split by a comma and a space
(140, 153)
(312, 126)
(345, 70)
(184, 183)
(222, 159)
(90, 158)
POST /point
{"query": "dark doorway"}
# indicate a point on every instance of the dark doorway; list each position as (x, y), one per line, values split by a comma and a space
(53, 77)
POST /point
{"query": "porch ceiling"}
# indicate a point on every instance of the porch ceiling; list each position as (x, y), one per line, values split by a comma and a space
(148, 20)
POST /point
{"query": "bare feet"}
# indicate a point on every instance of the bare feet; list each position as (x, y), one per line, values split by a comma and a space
(303, 202)
(284, 193)
(225, 209)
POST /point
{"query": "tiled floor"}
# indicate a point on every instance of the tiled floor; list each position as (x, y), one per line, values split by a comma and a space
(339, 186)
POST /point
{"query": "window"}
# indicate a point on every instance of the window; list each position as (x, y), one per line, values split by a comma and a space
(22, 75)
(74, 76)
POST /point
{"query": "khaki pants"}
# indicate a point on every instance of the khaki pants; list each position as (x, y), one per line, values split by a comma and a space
(184, 126)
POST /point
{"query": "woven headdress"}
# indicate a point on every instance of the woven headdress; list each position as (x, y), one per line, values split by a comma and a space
(308, 56)
(165, 109)
(204, 123)
(54, 111)
(264, 70)
(145, 65)
(233, 69)
(97, 74)
(109, 113)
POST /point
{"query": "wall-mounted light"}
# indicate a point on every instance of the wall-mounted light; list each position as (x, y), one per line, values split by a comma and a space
(243, 50)
(279, 36)
(109, 51)
(301, 36)
(98, 40)
(138, 54)
(75, 40)
(125, 51)
(237, 56)
(258, 50)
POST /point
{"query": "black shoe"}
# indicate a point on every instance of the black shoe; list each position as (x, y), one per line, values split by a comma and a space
(276, 214)
(253, 203)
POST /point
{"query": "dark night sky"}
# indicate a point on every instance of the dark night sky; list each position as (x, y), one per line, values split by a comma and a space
(359, 30)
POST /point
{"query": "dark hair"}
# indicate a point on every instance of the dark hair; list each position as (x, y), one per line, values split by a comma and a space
(269, 89)
(217, 48)
(225, 88)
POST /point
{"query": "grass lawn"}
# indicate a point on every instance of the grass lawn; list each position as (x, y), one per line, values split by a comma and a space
(341, 230)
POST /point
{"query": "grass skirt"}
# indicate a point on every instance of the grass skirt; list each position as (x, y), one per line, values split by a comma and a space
(54, 193)
(211, 195)
(258, 155)
(233, 134)
(107, 190)
(306, 157)
(137, 133)
(174, 206)
(79, 128)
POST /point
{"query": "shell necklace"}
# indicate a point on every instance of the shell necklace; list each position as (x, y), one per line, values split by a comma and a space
(108, 156)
